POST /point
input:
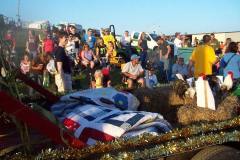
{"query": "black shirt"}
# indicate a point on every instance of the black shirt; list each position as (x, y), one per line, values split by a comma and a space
(62, 57)
(144, 45)
(164, 48)
(102, 50)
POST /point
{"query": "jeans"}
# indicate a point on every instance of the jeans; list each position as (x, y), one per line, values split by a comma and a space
(143, 58)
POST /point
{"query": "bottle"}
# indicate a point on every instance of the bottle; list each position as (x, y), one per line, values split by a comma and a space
(45, 79)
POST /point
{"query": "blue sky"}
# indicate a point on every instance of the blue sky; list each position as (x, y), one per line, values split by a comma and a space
(163, 16)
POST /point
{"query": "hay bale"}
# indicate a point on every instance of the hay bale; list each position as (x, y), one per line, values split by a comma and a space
(227, 109)
(183, 111)
(161, 100)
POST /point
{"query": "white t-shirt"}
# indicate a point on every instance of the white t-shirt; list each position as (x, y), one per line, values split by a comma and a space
(70, 47)
(125, 40)
(134, 70)
(177, 44)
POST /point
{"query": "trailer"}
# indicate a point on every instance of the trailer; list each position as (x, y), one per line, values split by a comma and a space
(202, 141)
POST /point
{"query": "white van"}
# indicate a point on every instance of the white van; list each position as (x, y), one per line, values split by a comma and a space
(151, 39)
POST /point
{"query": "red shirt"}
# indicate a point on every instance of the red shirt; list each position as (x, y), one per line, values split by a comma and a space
(48, 45)
(9, 37)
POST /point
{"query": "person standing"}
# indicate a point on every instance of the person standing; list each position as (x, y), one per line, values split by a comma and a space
(177, 43)
(231, 61)
(164, 57)
(63, 77)
(238, 44)
(142, 44)
(107, 37)
(32, 45)
(214, 43)
(11, 39)
(227, 42)
(48, 45)
(76, 37)
(203, 58)
(126, 43)
(90, 39)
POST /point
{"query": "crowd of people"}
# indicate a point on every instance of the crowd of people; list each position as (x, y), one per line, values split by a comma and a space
(57, 53)
(53, 55)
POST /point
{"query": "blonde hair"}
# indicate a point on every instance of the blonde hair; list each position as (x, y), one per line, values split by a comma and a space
(98, 73)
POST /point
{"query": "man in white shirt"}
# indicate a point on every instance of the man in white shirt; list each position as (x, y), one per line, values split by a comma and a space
(126, 39)
(134, 72)
(177, 43)
(126, 42)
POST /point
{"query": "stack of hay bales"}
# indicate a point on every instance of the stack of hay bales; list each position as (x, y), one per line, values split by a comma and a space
(227, 109)
(183, 111)
(160, 100)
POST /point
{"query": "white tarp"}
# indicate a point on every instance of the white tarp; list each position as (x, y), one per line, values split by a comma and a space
(205, 97)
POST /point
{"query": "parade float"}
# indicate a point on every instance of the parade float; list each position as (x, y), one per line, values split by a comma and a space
(174, 127)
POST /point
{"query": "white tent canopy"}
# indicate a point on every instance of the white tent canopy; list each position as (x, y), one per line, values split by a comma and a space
(39, 24)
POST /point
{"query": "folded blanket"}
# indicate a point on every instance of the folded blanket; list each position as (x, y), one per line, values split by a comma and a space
(90, 122)
(108, 97)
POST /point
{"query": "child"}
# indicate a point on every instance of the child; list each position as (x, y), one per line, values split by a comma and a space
(102, 78)
(152, 78)
(25, 64)
(111, 53)
(98, 79)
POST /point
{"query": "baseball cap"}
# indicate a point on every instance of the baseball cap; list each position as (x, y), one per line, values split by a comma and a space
(134, 56)
(107, 30)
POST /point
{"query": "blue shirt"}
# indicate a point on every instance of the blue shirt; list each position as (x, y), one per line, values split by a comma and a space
(233, 65)
(92, 42)
(181, 69)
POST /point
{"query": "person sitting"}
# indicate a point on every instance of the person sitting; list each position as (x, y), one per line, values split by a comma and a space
(98, 76)
(111, 53)
(25, 64)
(152, 78)
(133, 72)
(179, 68)
(88, 56)
(101, 51)
(102, 78)
(38, 65)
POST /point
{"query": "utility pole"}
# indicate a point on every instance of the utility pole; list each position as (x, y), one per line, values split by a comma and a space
(18, 13)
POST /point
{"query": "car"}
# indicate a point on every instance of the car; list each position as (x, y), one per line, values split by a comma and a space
(151, 39)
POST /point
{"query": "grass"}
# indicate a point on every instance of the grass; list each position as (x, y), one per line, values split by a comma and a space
(80, 81)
